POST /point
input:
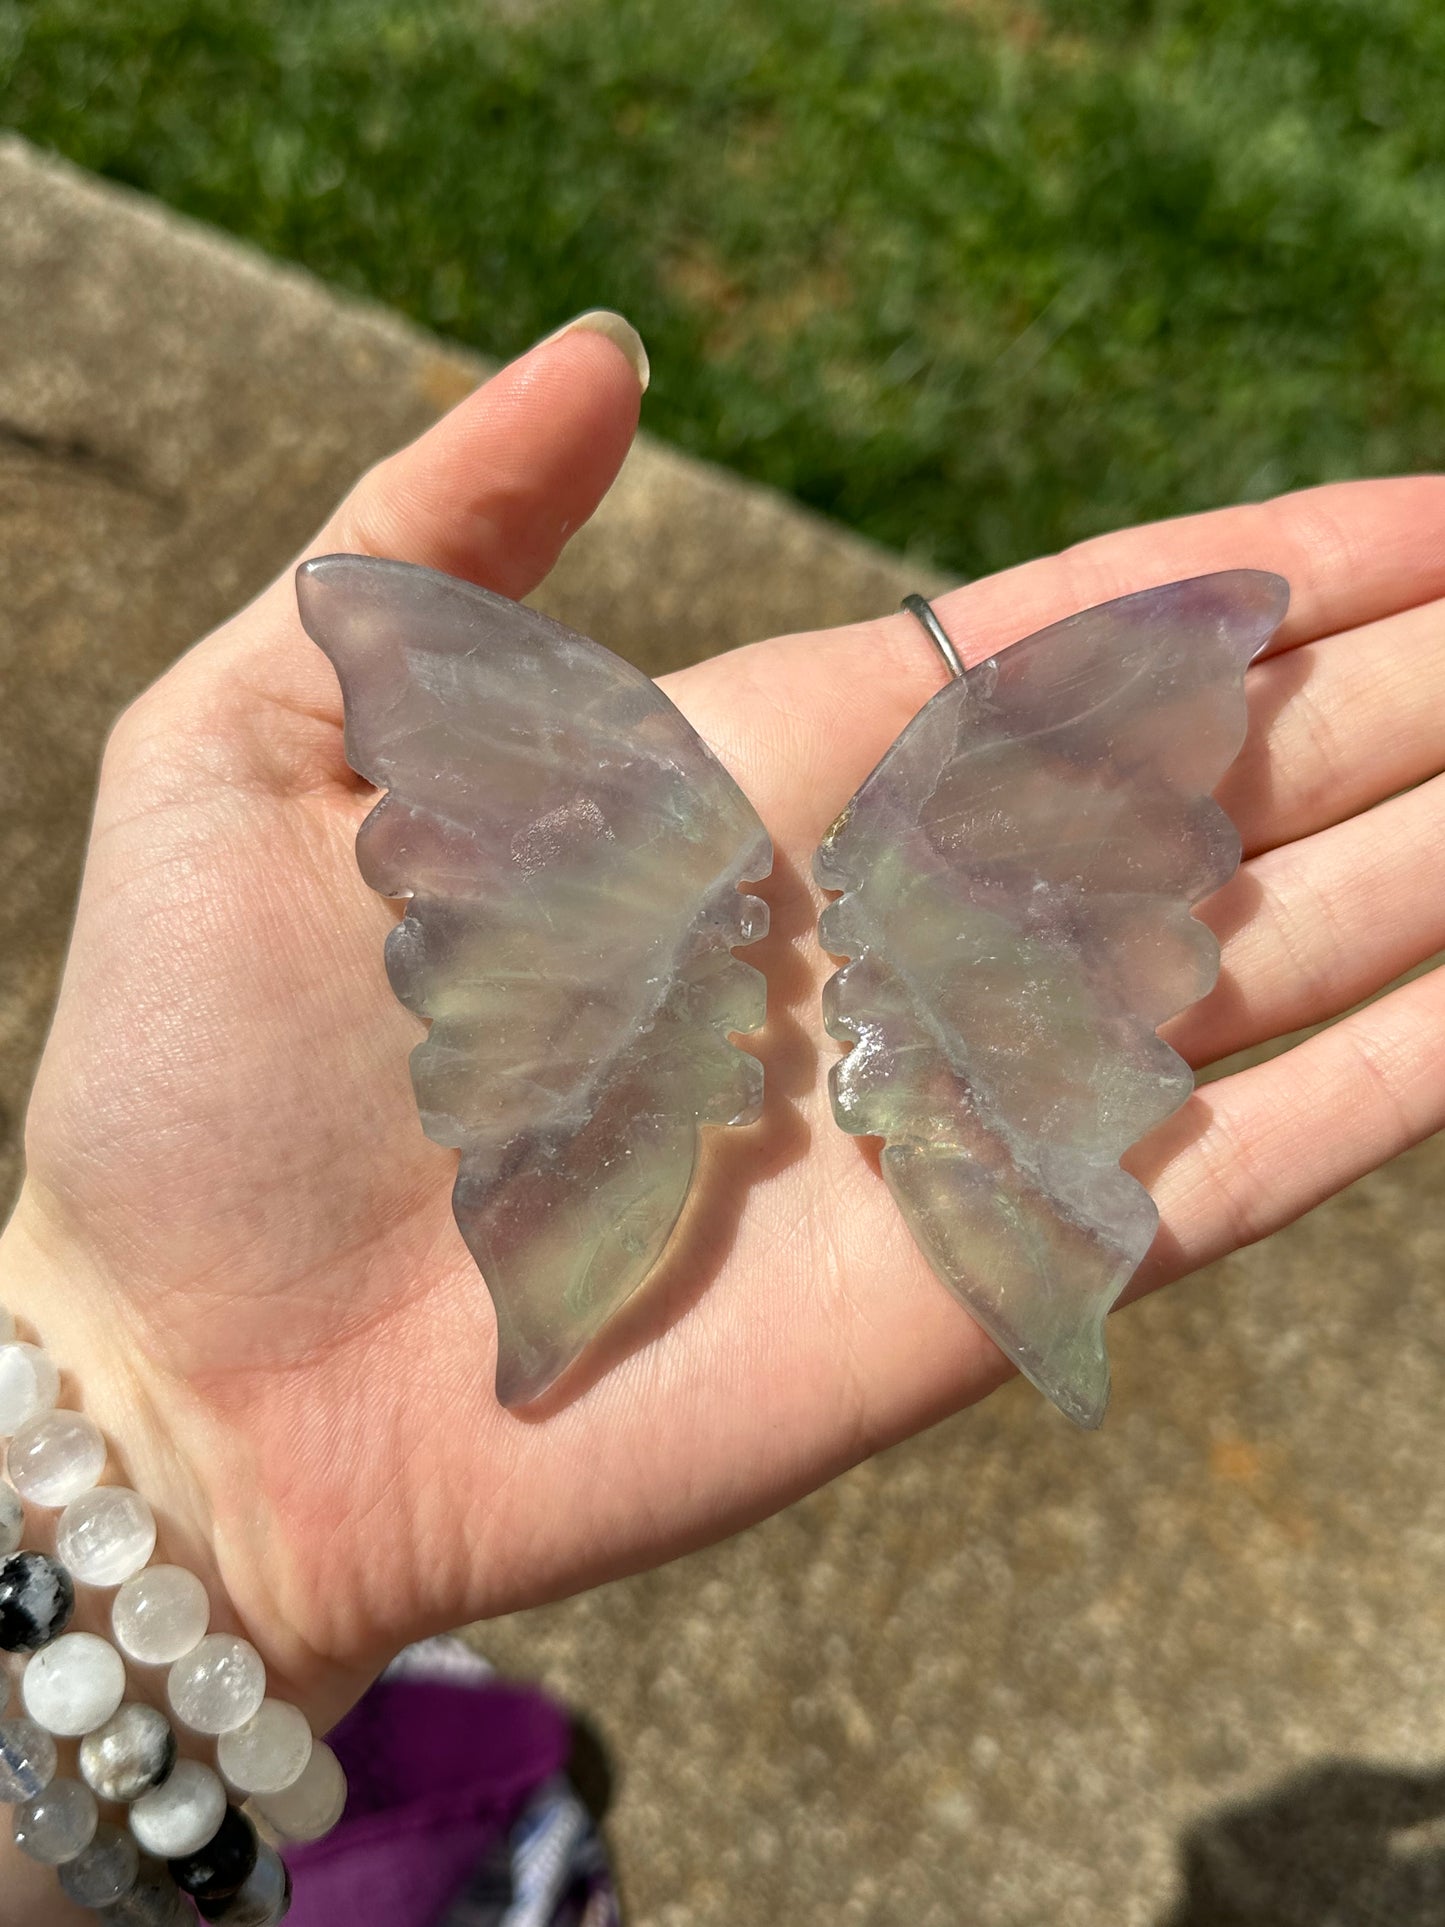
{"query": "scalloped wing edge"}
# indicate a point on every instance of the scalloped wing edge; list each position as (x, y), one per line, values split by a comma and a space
(729, 918)
(1073, 1373)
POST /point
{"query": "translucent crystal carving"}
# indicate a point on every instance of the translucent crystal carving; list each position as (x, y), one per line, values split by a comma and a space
(1018, 875)
(572, 852)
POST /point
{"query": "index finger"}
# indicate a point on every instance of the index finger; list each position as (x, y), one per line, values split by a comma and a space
(1352, 552)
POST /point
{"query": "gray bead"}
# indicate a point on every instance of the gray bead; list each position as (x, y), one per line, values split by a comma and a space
(133, 1752)
(27, 1760)
(57, 1824)
(154, 1901)
(12, 1520)
(105, 1872)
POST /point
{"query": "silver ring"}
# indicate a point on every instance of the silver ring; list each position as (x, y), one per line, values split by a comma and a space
(923, 609)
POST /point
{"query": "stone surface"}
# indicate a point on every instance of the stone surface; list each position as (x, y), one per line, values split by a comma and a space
(160, 1615)
(132, 1752)
(1017, 876)
(1185, 1671)
(572, 852)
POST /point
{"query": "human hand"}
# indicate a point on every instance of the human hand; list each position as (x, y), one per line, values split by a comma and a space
(235, 1237)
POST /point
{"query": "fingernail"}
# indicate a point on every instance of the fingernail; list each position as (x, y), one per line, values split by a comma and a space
(622, 334)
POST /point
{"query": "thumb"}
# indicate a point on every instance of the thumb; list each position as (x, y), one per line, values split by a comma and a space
(491, 493)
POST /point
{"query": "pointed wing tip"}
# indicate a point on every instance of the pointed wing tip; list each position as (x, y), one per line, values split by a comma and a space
(1251, 603)
(323, 576)
(1088, 1415)
(1074, 1377)
(525, 1373)
(318, 581)
(323, 571)
(1083, 1398)
(1266, 594)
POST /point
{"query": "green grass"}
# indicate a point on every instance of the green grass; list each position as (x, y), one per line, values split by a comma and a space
(978, 277)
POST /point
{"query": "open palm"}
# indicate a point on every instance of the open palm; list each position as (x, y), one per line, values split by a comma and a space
(235, 1235)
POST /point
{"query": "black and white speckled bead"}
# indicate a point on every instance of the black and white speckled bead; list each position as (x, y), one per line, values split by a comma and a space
(36, 1602)
(133, 1752)
(222, 1867)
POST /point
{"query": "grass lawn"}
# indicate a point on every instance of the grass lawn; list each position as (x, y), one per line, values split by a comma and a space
(979, 277)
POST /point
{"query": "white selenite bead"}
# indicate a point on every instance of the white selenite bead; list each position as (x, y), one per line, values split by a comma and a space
(269, 1753)
(160, 1615)
(182, 1813)
(218, 1685)
(311, 1805)
(29, 1385)
(53, 1459)
(12, 1520)
(58, 1823)
(102, 1872)
(263, 1897)
(106, 1535)
(73, 1684)
(27, 1761)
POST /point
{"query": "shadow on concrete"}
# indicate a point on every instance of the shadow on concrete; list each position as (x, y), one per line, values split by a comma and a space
(1339, 1845)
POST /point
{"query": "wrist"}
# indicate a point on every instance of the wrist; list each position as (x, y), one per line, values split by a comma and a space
(60, 1298)
(63, 1298)
(164, 1445)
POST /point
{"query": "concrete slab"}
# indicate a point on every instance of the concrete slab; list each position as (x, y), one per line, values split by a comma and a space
(1185, 1673)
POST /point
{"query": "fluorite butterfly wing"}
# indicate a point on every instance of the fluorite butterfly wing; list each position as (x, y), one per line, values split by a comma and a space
(572, 853)
(1017, 877)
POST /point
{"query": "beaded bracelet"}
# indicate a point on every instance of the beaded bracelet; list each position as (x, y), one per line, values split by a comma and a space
(183, 1835)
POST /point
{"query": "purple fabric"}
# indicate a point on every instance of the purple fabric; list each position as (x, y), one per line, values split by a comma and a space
(438, 1772)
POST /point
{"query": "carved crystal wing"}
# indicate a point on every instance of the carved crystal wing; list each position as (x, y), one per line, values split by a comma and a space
(572, 853)
(1017, 877)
